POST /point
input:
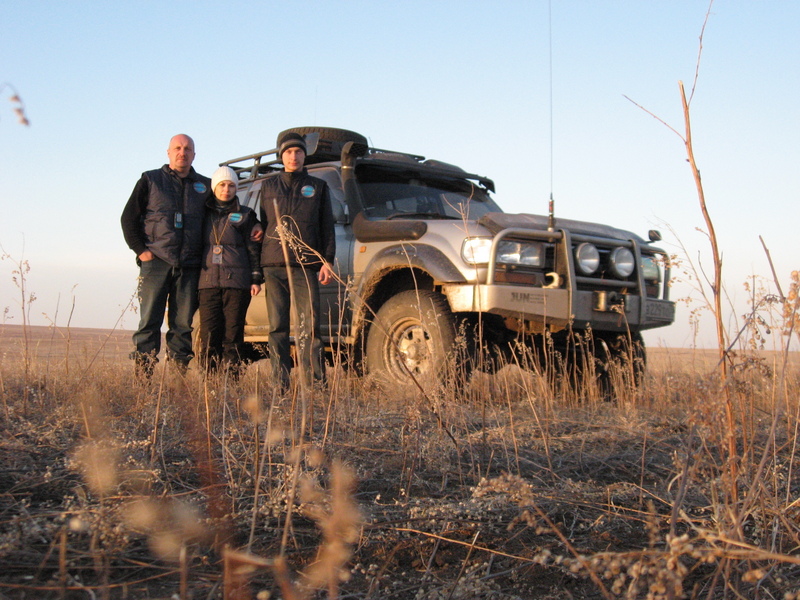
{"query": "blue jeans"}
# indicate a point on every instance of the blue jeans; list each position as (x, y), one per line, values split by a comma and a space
(166, 288)
(308, 340)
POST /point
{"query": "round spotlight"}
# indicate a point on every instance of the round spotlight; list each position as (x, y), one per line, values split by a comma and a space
(587, 258)
(622, 263)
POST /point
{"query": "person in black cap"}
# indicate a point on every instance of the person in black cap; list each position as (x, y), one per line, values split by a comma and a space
(302, 204)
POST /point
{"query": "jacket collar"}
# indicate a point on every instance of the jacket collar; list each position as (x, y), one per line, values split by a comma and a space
(192, 175)
(232, 206)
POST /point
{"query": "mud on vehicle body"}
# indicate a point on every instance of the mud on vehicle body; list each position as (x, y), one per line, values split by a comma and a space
(428, 263)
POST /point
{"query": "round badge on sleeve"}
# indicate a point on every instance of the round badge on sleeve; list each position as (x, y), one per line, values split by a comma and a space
(307, 191)
(200, 187)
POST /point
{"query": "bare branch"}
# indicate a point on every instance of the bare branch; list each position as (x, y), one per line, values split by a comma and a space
(699, 53)
(656, 117)
(772, 268)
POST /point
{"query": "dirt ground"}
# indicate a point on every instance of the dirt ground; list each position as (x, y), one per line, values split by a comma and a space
(504, 490)
(58, 343)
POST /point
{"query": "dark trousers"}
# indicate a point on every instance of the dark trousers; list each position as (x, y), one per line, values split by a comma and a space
(308, 340)
(222, 316)
(171, 289)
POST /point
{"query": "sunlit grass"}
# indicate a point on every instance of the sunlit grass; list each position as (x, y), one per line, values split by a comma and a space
(500, 487)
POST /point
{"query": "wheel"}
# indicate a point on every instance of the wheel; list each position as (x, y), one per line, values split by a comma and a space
(412, 337)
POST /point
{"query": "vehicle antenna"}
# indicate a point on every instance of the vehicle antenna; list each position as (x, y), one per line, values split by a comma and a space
(551, 220)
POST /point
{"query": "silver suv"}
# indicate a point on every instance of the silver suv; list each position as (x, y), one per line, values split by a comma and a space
(429, 265)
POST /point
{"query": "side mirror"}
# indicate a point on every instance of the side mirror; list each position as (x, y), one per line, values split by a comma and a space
(654, 235)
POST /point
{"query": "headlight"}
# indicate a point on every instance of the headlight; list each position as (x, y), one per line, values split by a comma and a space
(475, 251)
(650, 270)
(520, 253)
(622, 262)
(587, 258)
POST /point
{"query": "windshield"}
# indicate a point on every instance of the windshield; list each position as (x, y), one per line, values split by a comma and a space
(397, 193)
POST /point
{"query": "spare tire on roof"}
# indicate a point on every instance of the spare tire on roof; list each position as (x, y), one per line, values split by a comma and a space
(331, 141)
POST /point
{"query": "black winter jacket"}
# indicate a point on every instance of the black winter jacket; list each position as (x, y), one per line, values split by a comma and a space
(228, 228)
(165, 215)
(304, 202)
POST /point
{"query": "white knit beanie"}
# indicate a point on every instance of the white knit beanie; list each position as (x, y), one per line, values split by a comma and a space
(223, 174)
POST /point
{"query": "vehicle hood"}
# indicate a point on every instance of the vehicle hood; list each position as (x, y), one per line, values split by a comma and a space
(496, 222)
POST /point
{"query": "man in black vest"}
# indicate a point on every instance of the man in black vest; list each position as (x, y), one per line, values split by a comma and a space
(163, 224)
(302, 204)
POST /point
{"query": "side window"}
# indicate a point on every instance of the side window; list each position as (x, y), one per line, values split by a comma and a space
(249, 196)
(331, 176)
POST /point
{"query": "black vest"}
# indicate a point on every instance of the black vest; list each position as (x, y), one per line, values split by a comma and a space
(173, 223)
(304, 202)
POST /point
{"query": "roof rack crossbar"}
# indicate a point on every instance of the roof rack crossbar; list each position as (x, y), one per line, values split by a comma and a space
(256, 157)
(381, 150)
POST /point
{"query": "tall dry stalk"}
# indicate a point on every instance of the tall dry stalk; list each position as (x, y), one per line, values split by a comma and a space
(732, 458)
(284, 235)
(716, 292)
(19, 275)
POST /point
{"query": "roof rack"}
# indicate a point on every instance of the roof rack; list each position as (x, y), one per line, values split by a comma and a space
(258, 167)
(416, 157)
(261, 166)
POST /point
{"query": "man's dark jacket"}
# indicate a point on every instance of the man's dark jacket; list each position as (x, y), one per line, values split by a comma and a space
(228, 225)
(305, 205)
(150, 219)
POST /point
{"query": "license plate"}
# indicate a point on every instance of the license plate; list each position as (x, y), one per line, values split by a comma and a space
(660, 311)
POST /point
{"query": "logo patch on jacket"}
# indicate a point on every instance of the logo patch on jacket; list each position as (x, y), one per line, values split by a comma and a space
(235, 217)
(307, 191)
(200, 187)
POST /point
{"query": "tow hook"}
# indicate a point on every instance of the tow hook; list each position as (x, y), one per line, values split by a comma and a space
(609, 301)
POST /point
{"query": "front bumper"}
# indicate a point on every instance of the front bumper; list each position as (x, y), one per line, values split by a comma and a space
(540, 309)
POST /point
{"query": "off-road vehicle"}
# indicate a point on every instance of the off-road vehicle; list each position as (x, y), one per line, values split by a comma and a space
(429, 263)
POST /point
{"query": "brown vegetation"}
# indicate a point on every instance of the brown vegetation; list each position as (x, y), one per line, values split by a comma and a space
(503, 488)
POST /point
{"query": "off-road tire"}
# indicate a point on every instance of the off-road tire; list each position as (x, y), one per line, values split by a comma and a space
(415, 329)
(331, 141)
(327, 133)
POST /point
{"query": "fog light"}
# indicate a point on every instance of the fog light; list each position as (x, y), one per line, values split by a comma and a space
(622, 263)
(587, 258)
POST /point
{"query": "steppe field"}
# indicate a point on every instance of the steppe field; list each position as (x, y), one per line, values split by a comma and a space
(511, 485)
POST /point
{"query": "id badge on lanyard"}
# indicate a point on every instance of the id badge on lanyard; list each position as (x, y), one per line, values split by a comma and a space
(178, 220)
(216, 255)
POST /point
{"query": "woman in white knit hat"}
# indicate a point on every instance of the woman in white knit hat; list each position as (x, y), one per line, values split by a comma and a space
(230, 275)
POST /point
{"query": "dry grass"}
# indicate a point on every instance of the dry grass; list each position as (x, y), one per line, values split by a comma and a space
(190, 488)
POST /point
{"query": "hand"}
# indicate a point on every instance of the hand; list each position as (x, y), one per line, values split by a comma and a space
(256, 234)
(325, 274)
(146, 256)
(255, 289)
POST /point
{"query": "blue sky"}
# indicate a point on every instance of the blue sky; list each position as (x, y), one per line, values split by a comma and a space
(105, 85)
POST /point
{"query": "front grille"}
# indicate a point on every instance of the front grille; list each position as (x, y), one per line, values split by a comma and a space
(519, 277)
